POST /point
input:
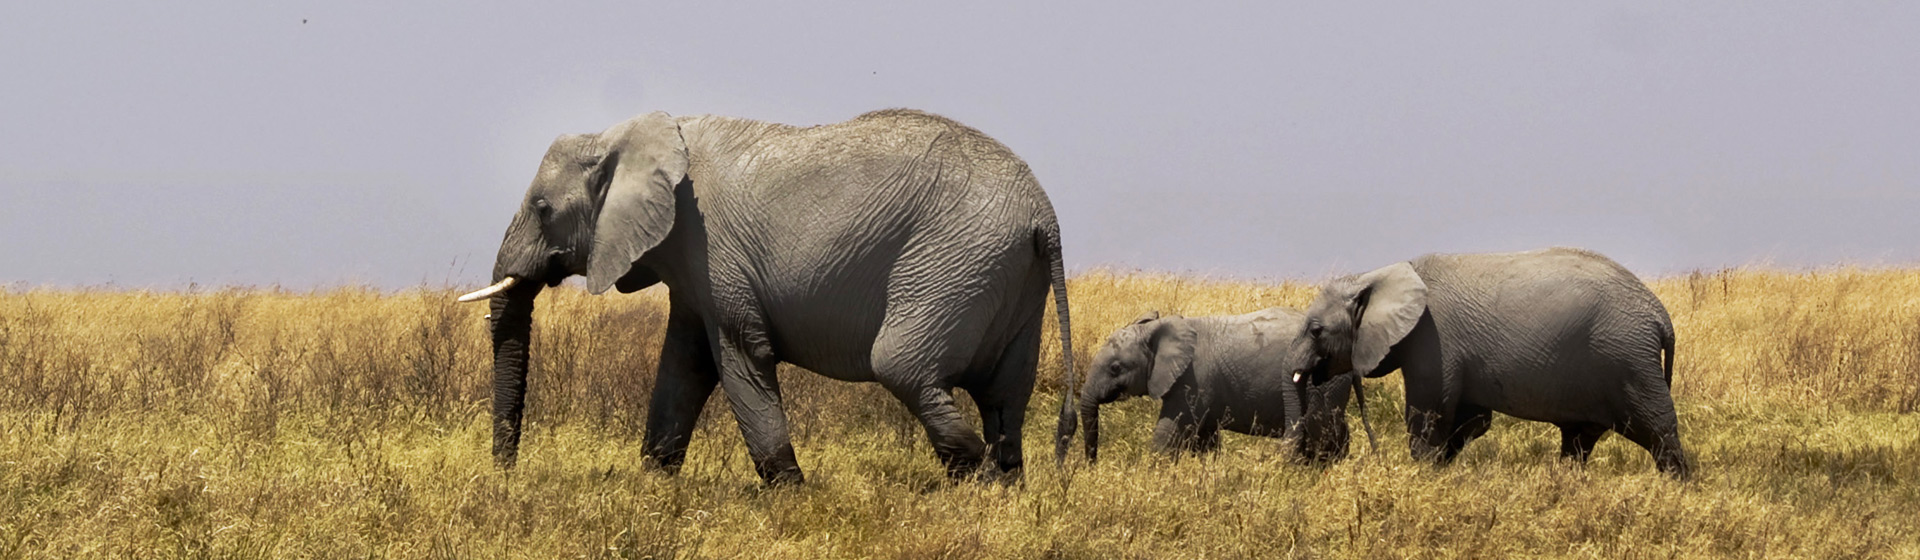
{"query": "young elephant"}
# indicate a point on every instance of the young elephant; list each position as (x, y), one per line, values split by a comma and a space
(1210, 373)
(1564, 336)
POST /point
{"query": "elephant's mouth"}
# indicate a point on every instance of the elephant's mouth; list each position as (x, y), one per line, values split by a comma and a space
(1105, 395)
(556, 271)
(562, 263)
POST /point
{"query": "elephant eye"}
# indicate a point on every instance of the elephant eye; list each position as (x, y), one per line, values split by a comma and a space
(1314, 328)
(540, 204)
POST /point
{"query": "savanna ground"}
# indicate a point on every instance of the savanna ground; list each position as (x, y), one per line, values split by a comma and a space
(353, 423)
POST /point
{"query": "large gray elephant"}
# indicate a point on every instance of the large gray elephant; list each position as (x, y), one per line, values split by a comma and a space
(1233, 373)
(1564, 336)
(899, 247)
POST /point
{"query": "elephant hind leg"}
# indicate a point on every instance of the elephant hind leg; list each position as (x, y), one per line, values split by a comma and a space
(1660, 437)
(1004, 395)
(1577, 440)
(1001, 426)
(924, 349)
(953, 439)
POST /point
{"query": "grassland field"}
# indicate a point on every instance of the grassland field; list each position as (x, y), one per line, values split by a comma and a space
(352, 423)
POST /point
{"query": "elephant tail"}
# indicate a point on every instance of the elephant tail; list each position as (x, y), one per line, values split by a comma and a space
(1666, 348)
(1048, 238)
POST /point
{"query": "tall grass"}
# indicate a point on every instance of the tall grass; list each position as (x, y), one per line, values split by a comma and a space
(352, 423)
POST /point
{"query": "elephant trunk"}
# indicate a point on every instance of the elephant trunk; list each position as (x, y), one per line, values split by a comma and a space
(512, 332)
(523, 252)
(1295, 401)
(1322, 432)
(1090, 419)
(1360, 397)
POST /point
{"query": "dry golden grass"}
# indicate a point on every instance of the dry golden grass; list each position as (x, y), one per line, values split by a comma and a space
(352, 423)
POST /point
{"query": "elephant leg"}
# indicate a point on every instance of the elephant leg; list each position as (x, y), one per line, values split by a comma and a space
(1430, 397)
(1207, 439)
(1430, 426)
(1001, 425)
(921, 352)
(753, 391)
(684, 380)
(1577, 440)
(1469, 422)
(954, 441)
(1657, 429)
(1003, 400)
(1177, 434)
(1172, 434)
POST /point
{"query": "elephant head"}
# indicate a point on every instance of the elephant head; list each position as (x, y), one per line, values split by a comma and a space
(1351, 326)
(597, 204)
(1146, 357)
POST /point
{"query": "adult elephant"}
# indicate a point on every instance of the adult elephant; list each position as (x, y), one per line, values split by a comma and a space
(1564, 336)
(1233, 373)
(899, 247)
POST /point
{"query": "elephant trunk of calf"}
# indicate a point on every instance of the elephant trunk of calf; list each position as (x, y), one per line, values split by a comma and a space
(512, 332)
(1090, 420)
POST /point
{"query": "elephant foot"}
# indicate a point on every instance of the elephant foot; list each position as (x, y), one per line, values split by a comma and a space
(790, 477)
(665, 464)
(987, 475)
(962, 467)
(781, 469)
(1676, 467)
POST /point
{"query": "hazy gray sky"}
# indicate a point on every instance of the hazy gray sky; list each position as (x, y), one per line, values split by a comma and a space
(152, 144)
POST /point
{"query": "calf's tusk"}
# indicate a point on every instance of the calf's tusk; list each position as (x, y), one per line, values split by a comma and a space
(487, 292)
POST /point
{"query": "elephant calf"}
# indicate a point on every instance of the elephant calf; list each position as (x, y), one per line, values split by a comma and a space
(1210, 373)
(1564, 336)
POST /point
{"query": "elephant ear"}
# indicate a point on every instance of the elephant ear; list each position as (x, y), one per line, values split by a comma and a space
(1388, 305)
(645, 159)
(1172, 344)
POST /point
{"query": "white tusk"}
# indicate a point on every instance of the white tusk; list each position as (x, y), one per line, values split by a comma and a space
(1296, 377)
(488, 291)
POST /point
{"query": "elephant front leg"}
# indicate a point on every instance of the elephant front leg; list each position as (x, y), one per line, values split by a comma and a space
(1430, 410)
(1469, 423)
(1175, 436)
(753, 391)
(685, 379)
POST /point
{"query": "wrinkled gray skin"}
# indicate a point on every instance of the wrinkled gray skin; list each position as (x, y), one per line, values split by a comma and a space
(1231, 373)
(898, 247)
(1563, 336)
